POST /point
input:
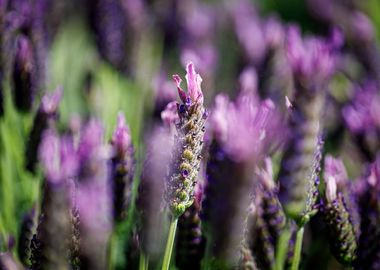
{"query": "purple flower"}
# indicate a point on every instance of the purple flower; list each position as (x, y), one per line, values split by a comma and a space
(93, 197)
(22, 74)
(44, 119)
(190, 129)
(150, 202)
(362, 115)
(310, 58)
(170, 115)
(194, 93)
(337, 212)
(123, 166)
(58, 157)
(250, 31)
(245, 128)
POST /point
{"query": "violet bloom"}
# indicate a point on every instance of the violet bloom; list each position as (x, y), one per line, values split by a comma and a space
(270, 219)
(312, 65)
(190, 130)
(335, 207)
(123, 167)
(368, 194)
(362, 118)
(164, 92)
(93, 197)
(22, 74)
(150, 204)
(46, 117)
(244, 132)
(50, 245)
(249, 31)
(109, 22)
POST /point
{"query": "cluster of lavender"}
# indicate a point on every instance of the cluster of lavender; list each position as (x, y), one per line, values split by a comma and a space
(234, 186)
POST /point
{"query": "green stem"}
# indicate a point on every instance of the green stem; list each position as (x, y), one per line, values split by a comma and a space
(297, 249)
(144, 262)
(282, 248)
(169, 244)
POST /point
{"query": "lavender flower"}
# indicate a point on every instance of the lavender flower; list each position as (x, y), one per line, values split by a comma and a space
(270, 219)
(243, 132)
(367, 191)
(22, 74)
(312, 65)
(343, 237)
(108, 20)
(190, 130)
(361, 117)
(93, 197)
(51, 242)
(122, 168)
(151, 190)
(45, 118)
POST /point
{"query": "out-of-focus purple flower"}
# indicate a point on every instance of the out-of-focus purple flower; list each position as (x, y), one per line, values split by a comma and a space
(121, 138)
(93, 197)
(58, 157)
(249, 31)
(123, 167)
(50, 244)
(150, 203)
(270, 218)
(190, 129)
(310, 59)
(335, 206)
(44, 119)
(203, 56)
(244, 128)
(109, 22)
(274, 33)
(244, 131)
(170, 115)
(362, 115)
(22, 74)
(164, 91)
(368, 194)
(248, 81)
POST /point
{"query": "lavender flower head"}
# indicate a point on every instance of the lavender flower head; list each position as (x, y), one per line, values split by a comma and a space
(312, 66)
(244, 128)
(149, 202)
(93, 198)
(190, 130)
(23, 72)
(337, 212)
(45, 118)
(362, 115)
(243, 132)
(310, 59)
(368, 194)
(123, 165)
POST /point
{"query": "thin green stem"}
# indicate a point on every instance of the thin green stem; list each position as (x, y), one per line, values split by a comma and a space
(169, 244)
(297, 249)
(143, 262)
(282, 248)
